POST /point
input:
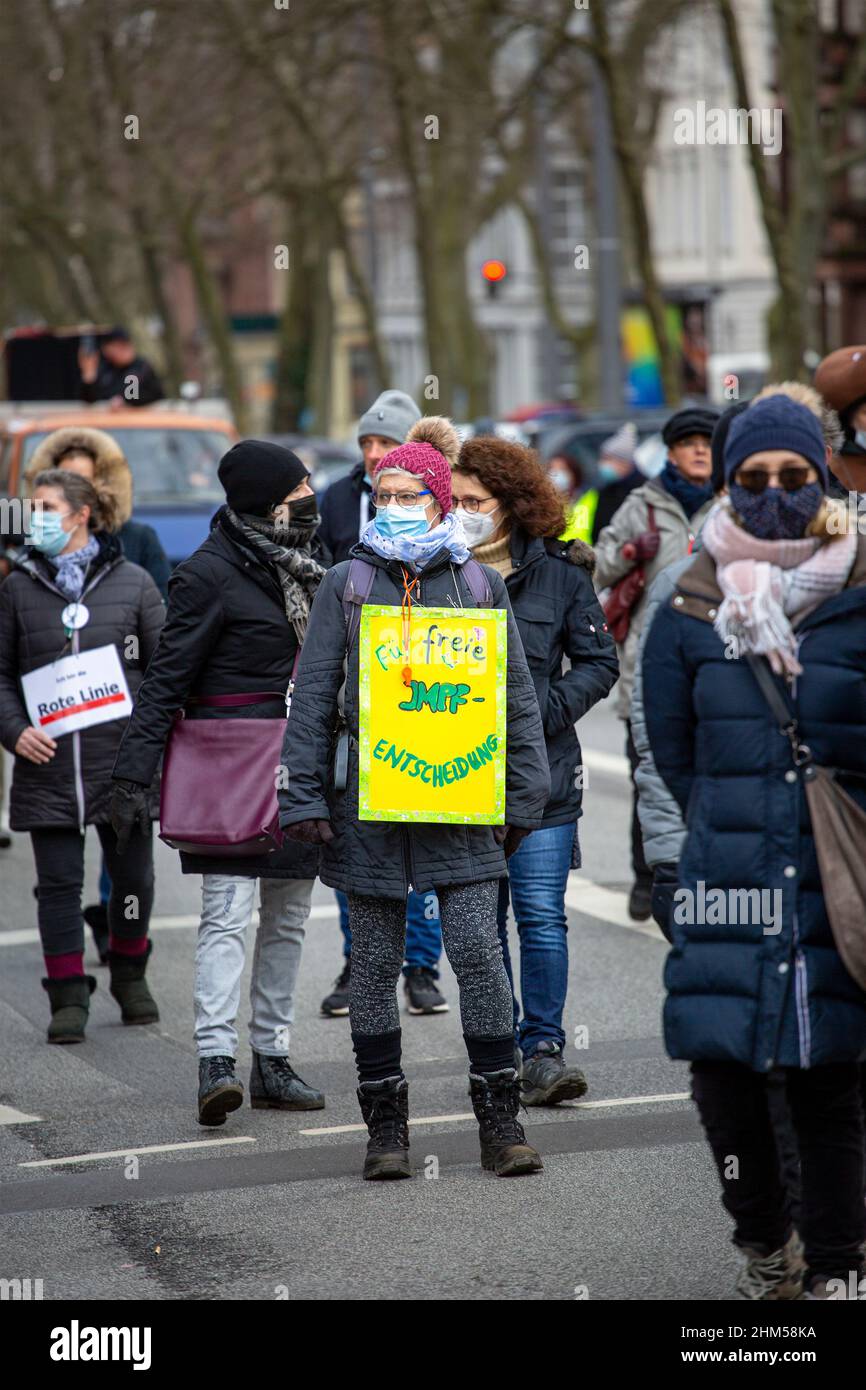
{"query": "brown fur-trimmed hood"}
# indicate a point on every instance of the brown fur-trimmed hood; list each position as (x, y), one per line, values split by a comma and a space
(111, 472)
(579, 553)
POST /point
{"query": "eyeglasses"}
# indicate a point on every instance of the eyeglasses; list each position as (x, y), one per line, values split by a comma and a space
(755, 480)
(403, 499)
(471, 504)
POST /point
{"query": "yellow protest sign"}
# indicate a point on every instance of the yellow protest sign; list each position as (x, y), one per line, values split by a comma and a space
(433, 749)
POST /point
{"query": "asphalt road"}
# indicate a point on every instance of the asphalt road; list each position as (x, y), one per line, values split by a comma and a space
(271, 1206)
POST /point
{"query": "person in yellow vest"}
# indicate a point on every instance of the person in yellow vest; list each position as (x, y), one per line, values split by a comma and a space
(567, 476)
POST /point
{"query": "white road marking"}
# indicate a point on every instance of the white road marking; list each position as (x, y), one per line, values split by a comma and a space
(605, 762)
(468, 1114)
(10, 1116)
(582, 895)
(27, 936)
(127, 1153)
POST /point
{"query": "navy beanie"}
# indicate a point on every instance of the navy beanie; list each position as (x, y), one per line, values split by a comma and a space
(258, 474)
(693, 419)
(776, 423)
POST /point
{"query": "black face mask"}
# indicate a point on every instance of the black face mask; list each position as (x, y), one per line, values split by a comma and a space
(304, 509)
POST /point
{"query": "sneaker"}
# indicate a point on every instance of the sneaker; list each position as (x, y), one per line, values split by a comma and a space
(5, 839)
(640, 902)
(422, 996)
(336, 1005)
(774, 1276)
(546, 1078)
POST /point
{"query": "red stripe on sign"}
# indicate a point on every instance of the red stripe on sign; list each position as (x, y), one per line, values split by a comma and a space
(78, 709)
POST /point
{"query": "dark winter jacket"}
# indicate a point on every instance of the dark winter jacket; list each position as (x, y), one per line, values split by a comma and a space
(343, 513)
(226, 633)
(112, 381)
(558, 615)
(775, 992)
(382, 858)
(74, 788)
(142, 546)
(611, 498)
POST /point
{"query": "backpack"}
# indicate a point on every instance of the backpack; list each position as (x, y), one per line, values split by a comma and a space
(359, 583)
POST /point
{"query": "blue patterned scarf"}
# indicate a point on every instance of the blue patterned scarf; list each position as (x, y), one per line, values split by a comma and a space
(690, 496)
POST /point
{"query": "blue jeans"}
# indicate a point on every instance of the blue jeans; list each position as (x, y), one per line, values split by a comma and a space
(537, 879)
(423, 930)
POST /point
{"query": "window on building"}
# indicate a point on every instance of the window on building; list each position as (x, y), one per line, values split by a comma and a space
(567, 215)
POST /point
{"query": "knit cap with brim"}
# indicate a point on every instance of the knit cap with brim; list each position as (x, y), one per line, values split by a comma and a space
(692, 419)
(776, 423)
(621, 445)
(430, 452)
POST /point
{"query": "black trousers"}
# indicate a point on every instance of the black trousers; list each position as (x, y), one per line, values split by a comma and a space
(59, 856)
(642, 871)
(826, 1112)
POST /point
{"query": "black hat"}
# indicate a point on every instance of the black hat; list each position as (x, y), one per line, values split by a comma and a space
(117, 334)
(717, 443)
(257, 475)
(695, 419)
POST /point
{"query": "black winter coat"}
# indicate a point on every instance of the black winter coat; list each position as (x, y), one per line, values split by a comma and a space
(381, 858)
(75, 787)
(142, 546)
(112, 381)
(611, 498)
(558, 616)
(341, 514)
(226, 633)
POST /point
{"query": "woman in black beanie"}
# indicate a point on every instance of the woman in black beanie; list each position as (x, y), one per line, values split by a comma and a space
(237, 616)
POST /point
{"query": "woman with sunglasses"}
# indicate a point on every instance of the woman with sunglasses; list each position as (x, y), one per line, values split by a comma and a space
(415, 547)
(511, 515)
(71, 592)
(754, 979)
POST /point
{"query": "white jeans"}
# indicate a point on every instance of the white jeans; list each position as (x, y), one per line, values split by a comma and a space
(226, 911)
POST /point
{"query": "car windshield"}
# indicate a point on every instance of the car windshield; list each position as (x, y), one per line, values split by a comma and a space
(169, 466)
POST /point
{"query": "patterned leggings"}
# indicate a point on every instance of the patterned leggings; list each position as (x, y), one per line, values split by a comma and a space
(469, 935)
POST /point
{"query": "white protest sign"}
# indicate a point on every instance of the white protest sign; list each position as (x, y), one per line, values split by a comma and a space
(77, 692)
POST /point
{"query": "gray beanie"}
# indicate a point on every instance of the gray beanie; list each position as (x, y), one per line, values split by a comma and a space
(392, 415)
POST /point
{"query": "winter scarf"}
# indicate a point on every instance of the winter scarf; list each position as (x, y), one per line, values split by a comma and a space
(287, 548)
(72, 568)
(418, 551)
(766, 583)
(690, 496)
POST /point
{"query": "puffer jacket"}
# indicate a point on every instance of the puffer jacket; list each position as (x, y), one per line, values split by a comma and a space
(383, 858)
(661, 820)
(772, 992)
(676, 536)
(558, 616)
(74, 788)
(226, 633)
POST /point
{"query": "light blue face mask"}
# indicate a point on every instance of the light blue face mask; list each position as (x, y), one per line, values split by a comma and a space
(46, 534)
(860, 438)
(395, 521)
(608, 473)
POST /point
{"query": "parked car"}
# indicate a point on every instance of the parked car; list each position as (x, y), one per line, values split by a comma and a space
(173, 457)
(583, 439)
(326, 460)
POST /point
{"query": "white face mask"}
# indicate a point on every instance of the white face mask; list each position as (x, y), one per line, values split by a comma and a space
(561, 481)
(478, 527)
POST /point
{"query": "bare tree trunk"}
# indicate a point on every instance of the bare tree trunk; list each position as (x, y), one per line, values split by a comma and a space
(213, 312)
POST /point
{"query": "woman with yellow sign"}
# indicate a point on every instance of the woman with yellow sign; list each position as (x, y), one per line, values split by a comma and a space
(416, 758)
(512, 515)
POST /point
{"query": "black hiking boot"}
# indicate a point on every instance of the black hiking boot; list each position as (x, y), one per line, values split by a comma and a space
(496, 1101)
(422, 995)
(546, 1078)
(219, 1091)
(96, 917)
(275, 1086)
(336, 1004)
(70, 1006)
(129, 987)
(640, 901)
(385, 1107)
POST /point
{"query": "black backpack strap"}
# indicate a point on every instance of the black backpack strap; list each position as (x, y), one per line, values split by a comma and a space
(359, 583)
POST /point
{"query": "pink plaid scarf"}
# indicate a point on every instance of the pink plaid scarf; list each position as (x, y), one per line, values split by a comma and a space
(766, 583)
